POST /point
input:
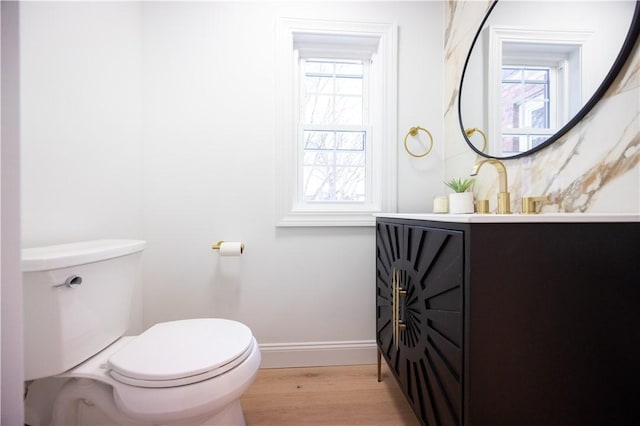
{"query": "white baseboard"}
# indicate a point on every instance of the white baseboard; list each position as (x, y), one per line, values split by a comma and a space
(317, 354)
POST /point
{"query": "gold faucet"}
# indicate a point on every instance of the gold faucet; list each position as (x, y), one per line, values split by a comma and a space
(504, 202)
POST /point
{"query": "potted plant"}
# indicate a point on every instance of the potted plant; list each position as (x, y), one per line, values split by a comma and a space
(461, 201)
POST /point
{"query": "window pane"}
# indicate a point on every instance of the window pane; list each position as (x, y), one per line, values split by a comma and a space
(536, 109)
(334, 166)
(350, 158)
(333, 92)
(513, 144)
(525, 98)
(319, 140)
(319, 158)
(533, 91)
(510, 105)
(531, 75)
(537, 140)
(317, 184)
(540, 118)
(350, 69)
(350, 184)
(349, 86)
(511, 74)
(318, 67)
(339, 184)
(350, 140)
(348, 110)
(318, 109)
(319, 85)
(537, 116)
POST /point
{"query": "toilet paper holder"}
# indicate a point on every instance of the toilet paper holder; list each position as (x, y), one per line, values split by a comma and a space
(217, 246)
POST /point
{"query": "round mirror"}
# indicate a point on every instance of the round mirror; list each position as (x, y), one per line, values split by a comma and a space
(535, 69)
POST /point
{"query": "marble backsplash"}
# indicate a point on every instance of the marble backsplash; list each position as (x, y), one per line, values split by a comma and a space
(594, 168)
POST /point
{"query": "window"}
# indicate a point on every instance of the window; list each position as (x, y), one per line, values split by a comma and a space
(528, 107)
(336, 121)
(538, 84)
(334, 131)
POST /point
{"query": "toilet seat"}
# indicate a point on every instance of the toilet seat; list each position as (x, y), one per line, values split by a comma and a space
(183, 352)
(164, 405)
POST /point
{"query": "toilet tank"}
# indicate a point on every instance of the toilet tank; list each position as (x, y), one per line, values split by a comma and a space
(76, 301)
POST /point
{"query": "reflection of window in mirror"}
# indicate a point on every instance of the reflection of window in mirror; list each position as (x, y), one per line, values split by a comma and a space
(535, 83)
(529, 106)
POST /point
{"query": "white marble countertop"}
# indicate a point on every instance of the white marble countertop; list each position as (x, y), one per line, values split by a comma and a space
(517, 217)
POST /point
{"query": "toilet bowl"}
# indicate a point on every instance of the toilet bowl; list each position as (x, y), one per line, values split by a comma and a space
(186, 372)
(179, 372)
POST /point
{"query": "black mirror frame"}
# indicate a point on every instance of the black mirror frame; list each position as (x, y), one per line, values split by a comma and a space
(618, 64)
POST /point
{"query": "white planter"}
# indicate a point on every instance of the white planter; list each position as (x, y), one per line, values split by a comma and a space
(461, 202)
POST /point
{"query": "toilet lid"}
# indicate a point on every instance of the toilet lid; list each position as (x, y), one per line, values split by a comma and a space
(181, 352)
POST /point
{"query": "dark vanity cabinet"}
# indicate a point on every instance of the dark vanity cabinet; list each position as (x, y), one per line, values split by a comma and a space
(511, 323)
(419, 315)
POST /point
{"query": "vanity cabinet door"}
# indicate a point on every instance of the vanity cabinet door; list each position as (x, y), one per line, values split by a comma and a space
(419, 316)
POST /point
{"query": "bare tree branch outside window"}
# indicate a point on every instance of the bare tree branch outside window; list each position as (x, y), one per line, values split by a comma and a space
(334, 139)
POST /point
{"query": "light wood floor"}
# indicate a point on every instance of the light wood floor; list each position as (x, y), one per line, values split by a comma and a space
(331, 396)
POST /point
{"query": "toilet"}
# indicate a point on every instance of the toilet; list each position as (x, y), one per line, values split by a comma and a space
(77, 300)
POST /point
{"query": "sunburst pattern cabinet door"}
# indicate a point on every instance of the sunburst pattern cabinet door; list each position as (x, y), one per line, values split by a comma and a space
(427, 359)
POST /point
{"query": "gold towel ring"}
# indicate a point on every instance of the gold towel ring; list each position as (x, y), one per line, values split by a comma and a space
(471, 131)
(414, 132)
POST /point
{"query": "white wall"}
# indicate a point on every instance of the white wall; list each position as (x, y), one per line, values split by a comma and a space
(81, 123)
(209, 140)
(11, 376)
(155, 120)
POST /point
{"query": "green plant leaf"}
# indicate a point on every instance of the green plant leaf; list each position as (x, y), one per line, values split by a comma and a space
(460, 185)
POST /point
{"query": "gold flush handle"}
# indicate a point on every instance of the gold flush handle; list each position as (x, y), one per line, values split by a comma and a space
(533, 205)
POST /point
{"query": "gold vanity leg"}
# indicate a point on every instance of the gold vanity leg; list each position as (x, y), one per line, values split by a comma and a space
(379, 366)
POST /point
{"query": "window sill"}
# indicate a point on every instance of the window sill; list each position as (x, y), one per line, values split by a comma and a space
(333, 218)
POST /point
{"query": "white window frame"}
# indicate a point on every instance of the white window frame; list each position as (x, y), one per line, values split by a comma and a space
(556, 41)
(316, 38)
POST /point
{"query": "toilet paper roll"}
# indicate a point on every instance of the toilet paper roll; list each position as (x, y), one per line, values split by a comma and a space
(231, 248)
